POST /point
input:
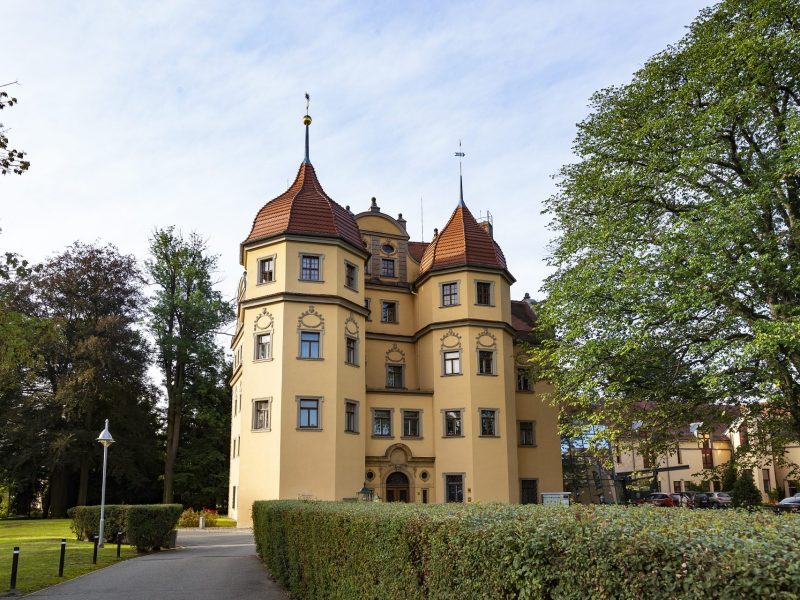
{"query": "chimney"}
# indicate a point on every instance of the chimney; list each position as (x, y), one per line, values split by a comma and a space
(435, 232)
(487, 226)
(402, 221)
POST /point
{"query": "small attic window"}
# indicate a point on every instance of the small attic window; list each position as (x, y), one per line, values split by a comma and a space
(387, 248)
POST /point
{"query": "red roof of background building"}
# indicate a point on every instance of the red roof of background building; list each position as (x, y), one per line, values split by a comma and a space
(416, 250)
(305, 208)
(462, 242)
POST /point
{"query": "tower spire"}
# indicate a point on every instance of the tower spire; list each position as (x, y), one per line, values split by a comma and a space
(307, 123)
(460, 155)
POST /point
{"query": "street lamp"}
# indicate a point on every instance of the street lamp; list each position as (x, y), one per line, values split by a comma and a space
(105, 440)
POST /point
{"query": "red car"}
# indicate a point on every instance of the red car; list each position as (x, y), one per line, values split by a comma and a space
(659, 499)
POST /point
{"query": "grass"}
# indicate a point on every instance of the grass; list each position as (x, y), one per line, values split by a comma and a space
(225, 522)
(39, 542)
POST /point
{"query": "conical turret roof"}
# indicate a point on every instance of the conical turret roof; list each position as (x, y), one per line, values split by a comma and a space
(305, 209)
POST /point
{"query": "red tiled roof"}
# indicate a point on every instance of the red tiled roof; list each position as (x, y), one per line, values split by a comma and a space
(462, 242)
(416, 250)
(522, 316)
(305, 208)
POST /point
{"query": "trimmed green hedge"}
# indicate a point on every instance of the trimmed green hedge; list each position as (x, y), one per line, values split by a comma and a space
(367, 550)
(146, 526)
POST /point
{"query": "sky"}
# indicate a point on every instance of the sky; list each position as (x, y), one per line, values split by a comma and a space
(139, 115)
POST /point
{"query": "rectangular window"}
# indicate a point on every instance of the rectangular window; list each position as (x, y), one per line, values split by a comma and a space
(394, 376)
(646, 461)
(368, 306)
(351, 417)
(452, 362)
(450, 294)
(529, 491)
(309, 267)
(527, 433)
(387, 267)
(350, 275)
(351, 350)
(233, 498)
(676, 487)
(410, 423)
(454, 488)
(619, 455)
(424, 495)
(767, 481)
(261, 414)
(707, 452)
(263, 346)
(233, 449)
(488, 422)
(523, 380)
(266, 270)
(452, 423)
(309, 344)
(485, 362)
(388, 311)
(308, 417)
(483, 293)
(382, 422)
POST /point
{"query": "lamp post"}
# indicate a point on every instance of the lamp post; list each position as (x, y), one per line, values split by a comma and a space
(105, 440)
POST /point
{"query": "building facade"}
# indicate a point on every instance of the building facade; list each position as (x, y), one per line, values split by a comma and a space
(365, 359)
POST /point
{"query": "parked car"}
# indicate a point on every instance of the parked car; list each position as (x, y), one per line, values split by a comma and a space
(790, 504)
(719, 500)
(676, 499)
(699, 499)
(659, 499)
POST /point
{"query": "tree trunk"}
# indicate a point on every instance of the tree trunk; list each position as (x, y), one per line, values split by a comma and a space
(173, 436)
(58, 493)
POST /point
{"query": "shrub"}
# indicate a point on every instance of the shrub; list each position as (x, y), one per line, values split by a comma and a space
(150, 525)
(354, 550)
(745, 494)
(86, 521)
(191, 518)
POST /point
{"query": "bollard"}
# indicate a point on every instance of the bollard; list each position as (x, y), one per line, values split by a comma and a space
(14, 565)
(94, 557)
(61, 560)
(119, 543)
(202, 523)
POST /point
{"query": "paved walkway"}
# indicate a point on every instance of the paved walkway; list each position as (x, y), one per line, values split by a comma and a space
(207, 565)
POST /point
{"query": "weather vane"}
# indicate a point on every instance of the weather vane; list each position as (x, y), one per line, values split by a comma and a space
(308, 100)
(307, 122)
(460, 155)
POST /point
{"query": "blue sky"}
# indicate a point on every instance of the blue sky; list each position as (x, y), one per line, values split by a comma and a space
(144, 114)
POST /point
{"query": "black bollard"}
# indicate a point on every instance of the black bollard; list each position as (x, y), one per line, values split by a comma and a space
(94, 557)
(61, 560)
(119, 543)
(14, 565)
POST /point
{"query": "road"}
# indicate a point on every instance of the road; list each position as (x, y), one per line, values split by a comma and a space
(207, 565)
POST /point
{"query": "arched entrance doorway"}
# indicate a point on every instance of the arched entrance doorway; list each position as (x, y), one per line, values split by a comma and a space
(397, 487)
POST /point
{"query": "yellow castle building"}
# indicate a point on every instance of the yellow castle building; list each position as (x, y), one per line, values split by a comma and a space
(363, 359)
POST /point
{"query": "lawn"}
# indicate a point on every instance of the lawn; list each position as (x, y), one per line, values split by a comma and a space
(39, 542)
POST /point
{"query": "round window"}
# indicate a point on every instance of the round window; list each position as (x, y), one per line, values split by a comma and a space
(424, 476)
(370, 475)
(387, 248)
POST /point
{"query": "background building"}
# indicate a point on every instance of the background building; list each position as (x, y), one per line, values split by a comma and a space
(362, 358)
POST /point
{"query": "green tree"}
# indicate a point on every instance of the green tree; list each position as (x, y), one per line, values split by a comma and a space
(10, 159)
(676, 295)
(729, 476)
(185, 315)
(745, 494)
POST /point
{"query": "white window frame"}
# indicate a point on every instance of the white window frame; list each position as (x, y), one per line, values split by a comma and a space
(256, 345)
(444, 362)
(274, 259)
(391, 423)
(268, 424)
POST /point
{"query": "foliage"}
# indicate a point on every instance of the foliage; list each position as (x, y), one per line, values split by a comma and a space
(39, 541)
(676, 296)
(191, 517)
(85, 521)
(729, 476)
(150, 525)
(359, 550)
(744, 493)
(185, 316)
(10, 159)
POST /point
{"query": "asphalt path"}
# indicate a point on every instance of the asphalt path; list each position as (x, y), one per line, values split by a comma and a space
(206, 565)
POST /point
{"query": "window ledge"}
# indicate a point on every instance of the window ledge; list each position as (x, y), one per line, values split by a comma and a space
(349, 364)
(260, 360)
(448, 305)
(266, 282)
(487, 374)
(350, 287)
(451, 374)
(261, 430)
(308, 358)
(525, 391)
(411, 437)
(485, 305)
(453, 436)
(310, 280)
(526, 445)
(308, 428)
(489, 436)
(382, 437)
(390, 322)
(352, 432)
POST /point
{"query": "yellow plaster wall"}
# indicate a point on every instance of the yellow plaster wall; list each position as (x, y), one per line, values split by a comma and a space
(543, 461)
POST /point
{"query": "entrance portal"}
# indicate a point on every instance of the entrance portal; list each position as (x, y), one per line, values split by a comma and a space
(397, 487)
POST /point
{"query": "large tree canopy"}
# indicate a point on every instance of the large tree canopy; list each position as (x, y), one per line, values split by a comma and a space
(676, 296)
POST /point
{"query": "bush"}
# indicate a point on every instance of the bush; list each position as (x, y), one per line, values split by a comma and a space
(745, 494)
(86, 521)
(146, 526)
(354, 550)
(191, 518)
(150, 525)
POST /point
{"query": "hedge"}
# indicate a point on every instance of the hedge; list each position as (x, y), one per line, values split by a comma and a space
(146, 526)
(367, 550)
